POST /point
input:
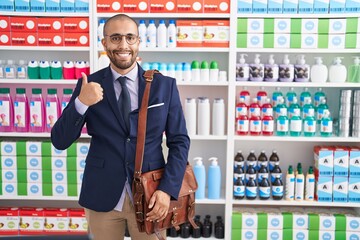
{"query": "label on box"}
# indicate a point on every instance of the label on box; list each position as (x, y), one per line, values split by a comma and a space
(309, 41)
(33, 148)
(76, 25)
(56, 220)
(31, 221)
(82, 6)
(189, 6)
(324, 161)
(50, 25)
(82, 149)
(9, 221)
(33, 163)
(34, 189)
(22, 6)
(341, 162)
(282, 25)
(9, 175)
(337, 26)
(67, 5)
(135, 6)
(58, 163)
(216, 33)
(21, 39)
(309, 25)
(275, 221)
(76, 39)
(354, 162)
(324, 190)
(37, 6)
(321, 6)
(290, 6)
(255, 40)
(337, 6)
(249, 233)
(244, 6)
(189, 33)
(162, 6)
(50, 39)
(109, 6)
(9, 189)
(281, 40)
(275, 6)
(340, 189)
(255, 25)
(216, 6)
(8, 162)
(34, 176)
(5, 39)
(354, 189)
(52, 5)
(77, 221)
(306, 6)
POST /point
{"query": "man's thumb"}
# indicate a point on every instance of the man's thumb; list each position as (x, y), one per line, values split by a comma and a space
(84, 78)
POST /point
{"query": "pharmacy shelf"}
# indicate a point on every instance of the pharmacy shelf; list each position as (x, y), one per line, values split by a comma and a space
(298, 84)
(297, 50)
(169, 15)
(182, 49)
(215, 84)
(31, 198)
(296, 139)
(278, 203)
(207, 137)
(33, 135)
(210, 201)
(38, 81)
(40, 48)
(46, 14)
(280, 15)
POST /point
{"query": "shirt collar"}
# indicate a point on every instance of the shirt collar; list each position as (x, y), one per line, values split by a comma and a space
(132, 75)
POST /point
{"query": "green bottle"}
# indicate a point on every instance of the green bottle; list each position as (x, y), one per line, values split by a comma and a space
(308, 109)
(290, 96)
(282, 125)
(304, 95)
(354, 71)
(309, 126)
(281, 108)
(295, 126)
(321, 110)
(275, 97)
(319, 95)
(294, 109)
(326, 127)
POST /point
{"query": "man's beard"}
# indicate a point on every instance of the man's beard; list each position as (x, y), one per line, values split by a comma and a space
(121, 64)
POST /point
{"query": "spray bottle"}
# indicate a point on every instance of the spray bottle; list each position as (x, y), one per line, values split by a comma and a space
(199, 171)
(242, 69)
(214, 179)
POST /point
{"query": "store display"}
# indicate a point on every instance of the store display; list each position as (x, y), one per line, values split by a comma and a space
(214, 179)
(318, 72)
(200, 175)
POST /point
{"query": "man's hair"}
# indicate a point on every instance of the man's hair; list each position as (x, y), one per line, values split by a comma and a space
(119, 16)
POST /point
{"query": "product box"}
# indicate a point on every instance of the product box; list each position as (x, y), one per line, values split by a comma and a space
(50, 39)
(13, 148)
(275, 220)
(23, 24)
(67, 5)
(76, 25)
(50, 25)
(216, 33)
(139, 6)
(8, 162)
(309, 41)
(33, 162)
(309, 26)
(337, 6)
(294, 219)
(347, 222)
(190, 33)
(52, 5)
(306, 6)
(319, 234)
(249, 234)
(354, 162)
(4, 24)
(279, 40)
(216, 6)
(345, 235)
(22, 6)
(341, 161)
(31, 221)
(59, 163)
(324, 189)
(82, 6)
(352, 6)
(109, 6)
(352, 25)
(7, 5)
(352, 40)
(295, 234)
(333, 41)
(9, 221)
(162, 6)
(76, 40)
(37, 6)
(354, 189)
(324, 161)
(56, 221)
(340, 189)
(82, 149)
(332, 26)
(321, 6)
(34, 189)
(33, 148)
(275, 6)
(189, 6)
(9, 189)
(9, 175)
(282, 25)
(260, 6)
(77, 221)
(244, 6)
(252, 40)
(290, 6)
(32, 176)
(5, 39)
(321, 222)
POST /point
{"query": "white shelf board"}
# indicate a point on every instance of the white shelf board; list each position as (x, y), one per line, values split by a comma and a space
(210, 201)
(30, 198)
(38, 81)
(297, 84)
(46, 14)
(183, 49)
(294, 203)
(296, 139)
(189, 83)
(33, 135)
(208, 137)
(169, 15)
(296, 15)
(40, 48)
(297, 50)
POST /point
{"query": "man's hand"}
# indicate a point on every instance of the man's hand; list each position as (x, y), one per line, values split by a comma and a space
(159, 202)
(90, 93)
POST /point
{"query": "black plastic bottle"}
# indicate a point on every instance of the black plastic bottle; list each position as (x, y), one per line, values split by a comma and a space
(251, 159)
(239, 159)
(262, 159)
(276, 172)
(239, 172)
(251, 189)
(263, 171)
(264, 188)
(219, 228)
(277, 189)
(239, 189)
(250, 172)
(273, 159)
(171, 232)
(196, 233)
(207, 227)
(185, 230)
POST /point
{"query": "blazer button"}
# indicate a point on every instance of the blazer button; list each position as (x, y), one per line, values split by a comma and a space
(128, 140)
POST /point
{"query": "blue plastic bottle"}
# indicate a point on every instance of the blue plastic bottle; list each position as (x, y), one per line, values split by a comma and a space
(214, 179)
(200, 175)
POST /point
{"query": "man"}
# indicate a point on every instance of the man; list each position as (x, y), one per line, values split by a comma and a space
(106, 188)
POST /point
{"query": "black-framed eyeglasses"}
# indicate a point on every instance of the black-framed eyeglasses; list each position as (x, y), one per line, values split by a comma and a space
(117, 38)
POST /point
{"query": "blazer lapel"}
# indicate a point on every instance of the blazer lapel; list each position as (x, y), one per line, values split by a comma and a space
(142, 85)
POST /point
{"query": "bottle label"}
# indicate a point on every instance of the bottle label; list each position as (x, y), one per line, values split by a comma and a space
(255, 126)
(318, 99)
(254, 112)
(267, 111)
(246, 99)
(326, 126)
(264, 192)
(237, 163)
(295, 125)
(36, 114)
(51, 114)
(281, 111)
(239, 175)
(268, 126)
(294, 112)
(304, 99)
(239, 191)
(308, 112)
(310, 126)
(4, 113)
(276, 99)
(275, 175)
(243, 126)
(21, 72)
(282, 125)
(242, 72)
(290, 188)
(63, 105)
(241, 111)
(9, 72)
(251, 191)
(277, 191)
(320, 113)
(19, 114)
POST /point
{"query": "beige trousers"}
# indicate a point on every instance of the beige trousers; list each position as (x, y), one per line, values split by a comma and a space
(111, 225)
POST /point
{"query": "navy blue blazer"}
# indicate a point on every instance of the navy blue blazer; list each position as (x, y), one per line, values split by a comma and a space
(111, 157)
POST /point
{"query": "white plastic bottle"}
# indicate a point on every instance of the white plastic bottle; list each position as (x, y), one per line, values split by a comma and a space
(103, 61)
(310, 185)
(242, 69)
(142, 33)
(203, 117)
(290, 185)
(214, 179)
(100, 34)
(299, 185)
(190, 115)
(161, 34)
(151, 34)
(218, 117)
(337, 71)
(171, 34)
(200, 175)
(319, 72)
(21, 71)
(2, 71)
(10, 69)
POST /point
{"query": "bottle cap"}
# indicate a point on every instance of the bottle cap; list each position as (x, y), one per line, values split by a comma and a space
(52, 91)
(171, 67)
(214, 161)
(21, 62)
(179, 67)
(214, 65)
(151, 21)
(290, 169)
(103, 21)
(318, 60)
(172, 21)
(187, 67)
(300, 170)
(145, 66)
(271, 59)
(162, 21)
(163, 67)
(198, 161)
(242, 59)
(356, 60)
(204, 65)
(257, 59)
(20, 91)
(142, 21)
(36, 91)
(67, 91)
(195, 64)
(337, 60)
(311, 170)
(286, 59)
(301, 59)
(154, 65)
(5, 90)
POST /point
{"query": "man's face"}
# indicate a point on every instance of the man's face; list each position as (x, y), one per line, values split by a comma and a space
(122, 54)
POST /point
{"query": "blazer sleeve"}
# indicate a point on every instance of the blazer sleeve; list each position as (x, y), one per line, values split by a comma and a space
(178, 142)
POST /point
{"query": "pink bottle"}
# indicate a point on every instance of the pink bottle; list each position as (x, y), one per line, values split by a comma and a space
(254, 109)
(241, 109)
(255, 125)
(21, 111)
(267, 108)
(68, 70)
(65, 99)
(37, 111)
(267, 125)
(52, 109)
(245, 94)
(261, 96)
(80, 66)
(6, 110)
(242, 125)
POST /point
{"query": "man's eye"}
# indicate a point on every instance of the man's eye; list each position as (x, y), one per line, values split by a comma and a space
(115, 38)
(130, 37)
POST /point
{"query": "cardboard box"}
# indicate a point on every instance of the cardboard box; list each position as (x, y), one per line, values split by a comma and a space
(67, 5)
(59, 163)
(137, 6)
(321, 6)
(5, 39)
(82, 6)
(340, 189)
(105, 6)
(309, 26)
(295, 219)
(325, 222)
(76, 39)
(189, 6)
(52, 5)
(309, 41)
(77, 221)
(50, 39)
(337, 6)
(31, 221)
(216, 33)
(9, 189)
(50, 25)
(13, 148)
(324, 189)
(7, 5)
(352, 6)
(13, 162)
(296, 234)
(244, 6)
(345, 235)
(306, 6)
(9, 220)
(4, 24)
(22, 6)
(354, 189)
(9, 175)
(275, 6)
(216, 6)
(341, 161)
(34, 189)
(33, 162)
(352, 25)
(23, 24)
(76, 25)
(260, 6)
(21, 39)
(290, 6)
(354, 162)
(189, 33)
(162, 6)
(56, 221)
(324, 161)
(37, 6)
(316, 234)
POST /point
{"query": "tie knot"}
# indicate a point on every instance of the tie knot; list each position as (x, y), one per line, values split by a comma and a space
(122, 81)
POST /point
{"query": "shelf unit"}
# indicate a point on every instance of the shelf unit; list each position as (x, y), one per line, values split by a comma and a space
(224, 147)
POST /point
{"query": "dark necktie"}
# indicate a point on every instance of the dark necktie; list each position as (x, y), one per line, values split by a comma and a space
(124, 101)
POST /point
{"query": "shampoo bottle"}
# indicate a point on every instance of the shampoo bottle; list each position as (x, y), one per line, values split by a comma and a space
(242, 69)
(199, 171)
(310, 185)
(6, 110)
(299, 185)
(195, 71)
(337, 71)
(44, 69)
(354, 71)
(286, 70)
(36, 111)
(214, 179)
(21, 111)
(33, 70)
(256, 70)
(271, 70)
(319, 72)
(302, 70)
(52, 109)
(214, 71)
(205, 72)
(290, 184)
(55, 70)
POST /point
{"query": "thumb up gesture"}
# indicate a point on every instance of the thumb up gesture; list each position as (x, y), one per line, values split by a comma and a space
(91, 92)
